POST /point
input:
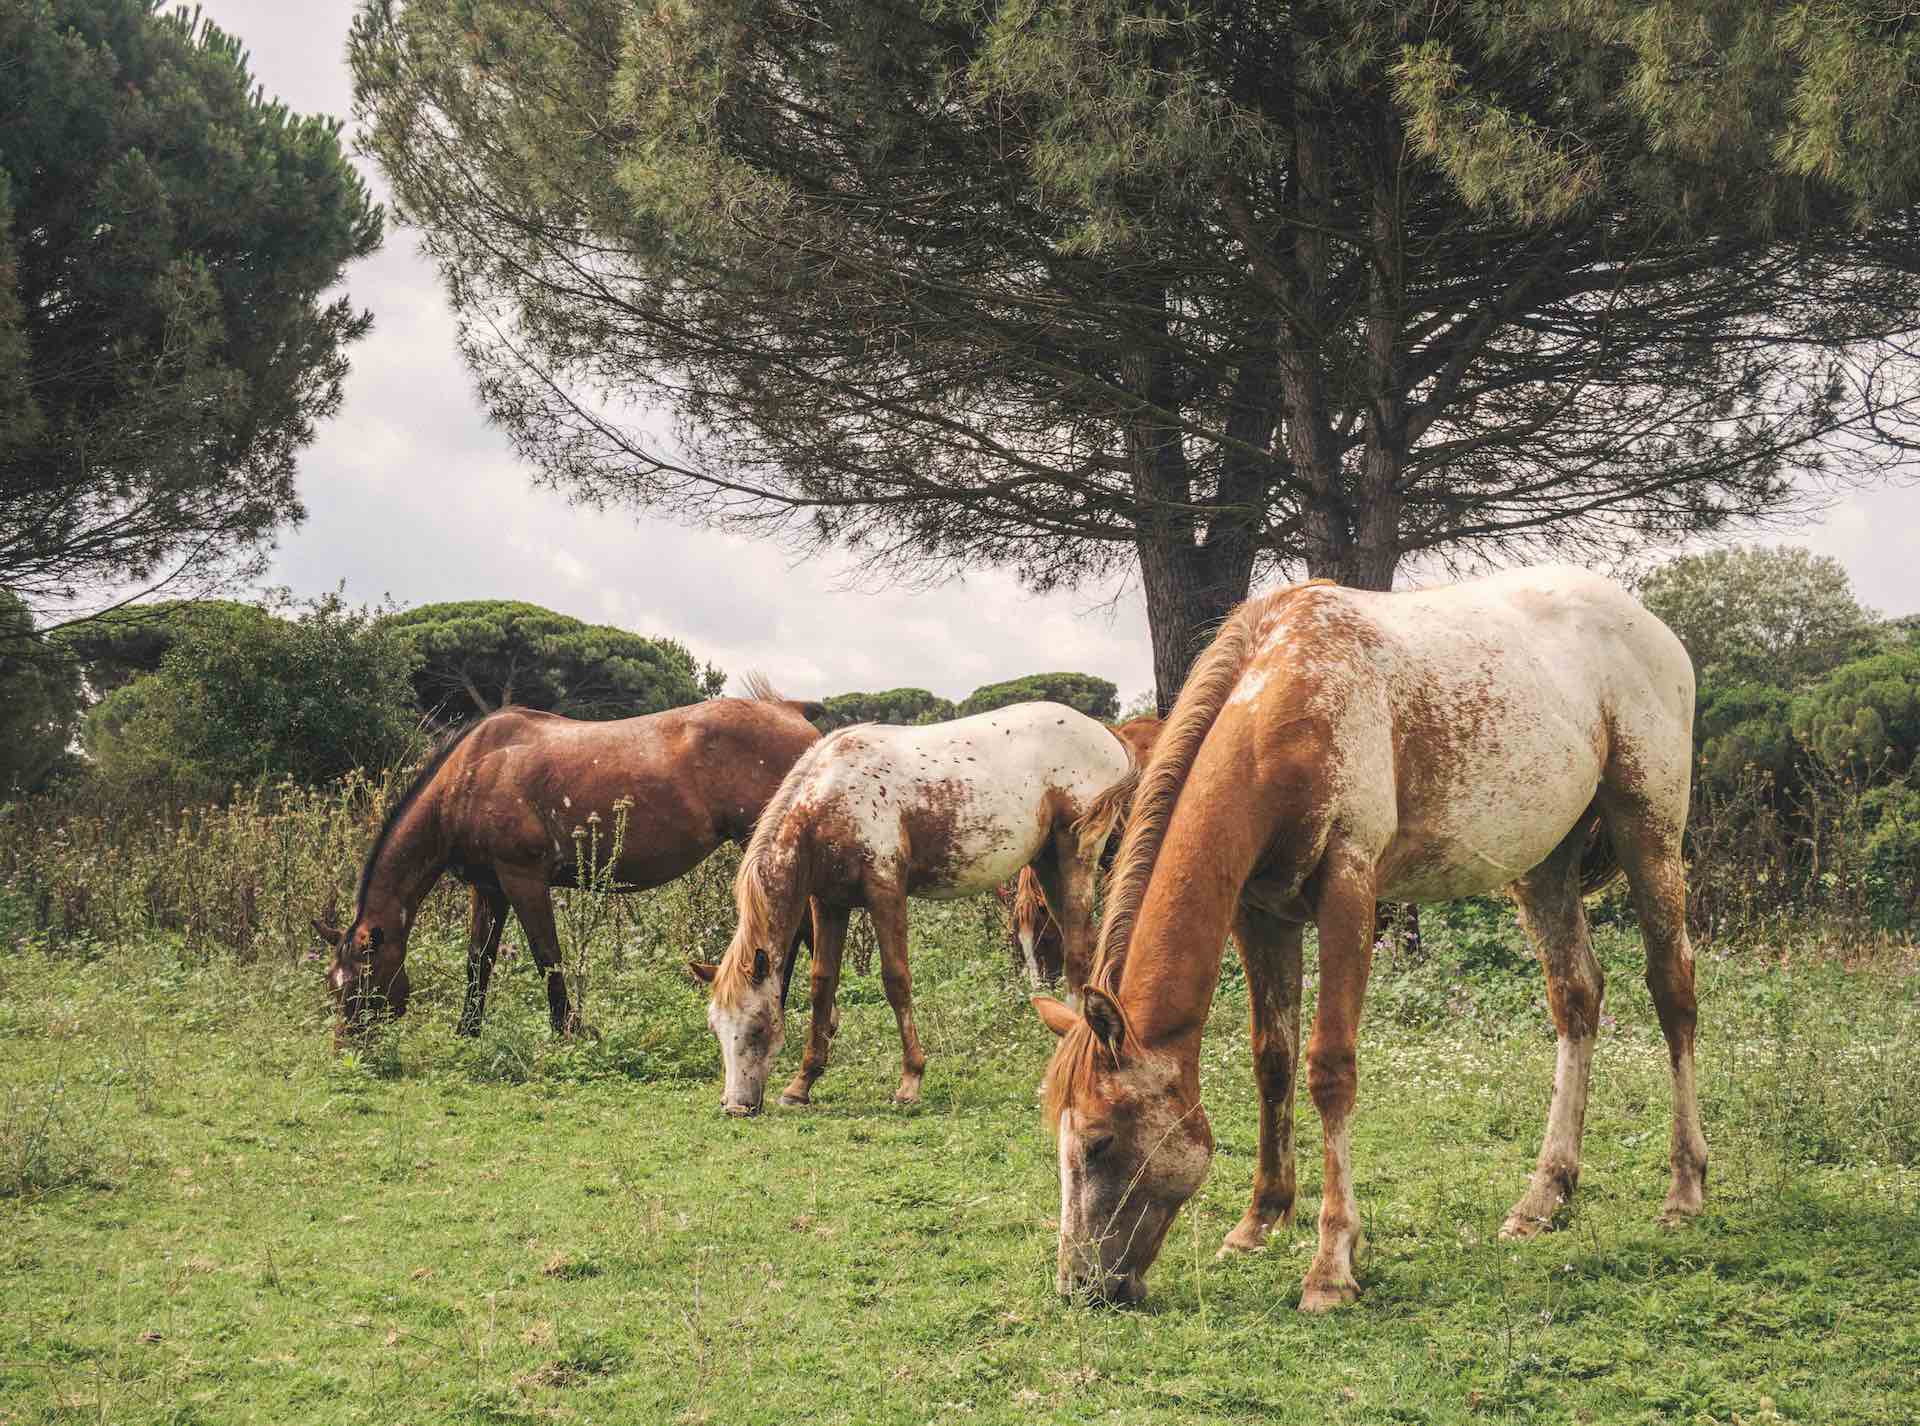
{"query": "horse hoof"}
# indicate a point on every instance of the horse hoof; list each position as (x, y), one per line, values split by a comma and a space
(1325, 1297)
(1522, 1227)
(1247, 1238)
(794, 1101)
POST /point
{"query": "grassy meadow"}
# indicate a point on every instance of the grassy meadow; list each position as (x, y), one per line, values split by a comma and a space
(206, 1216)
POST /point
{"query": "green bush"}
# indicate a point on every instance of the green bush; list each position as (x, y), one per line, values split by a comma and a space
(244, 696)
(475, 656)
(896, 705)
(1094, 697)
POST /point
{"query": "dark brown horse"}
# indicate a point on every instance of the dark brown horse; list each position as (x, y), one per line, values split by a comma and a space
(497, 806)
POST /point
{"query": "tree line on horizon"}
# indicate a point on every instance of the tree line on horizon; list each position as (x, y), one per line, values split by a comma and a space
(204, 694)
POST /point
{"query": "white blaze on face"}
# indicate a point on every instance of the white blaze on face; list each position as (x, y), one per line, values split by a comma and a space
(750, 1035)
(1033, 961)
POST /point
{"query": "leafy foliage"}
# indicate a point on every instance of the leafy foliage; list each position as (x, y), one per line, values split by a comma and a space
(896, 705)
(166, 233)
(1778, 616)
(1228, 290)
(117, 647)
(243, 695)
(1095, 697)
(475, 656)
(1865, 715)
(39, 703)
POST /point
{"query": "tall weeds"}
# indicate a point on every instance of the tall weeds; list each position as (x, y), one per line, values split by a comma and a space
(239, 879)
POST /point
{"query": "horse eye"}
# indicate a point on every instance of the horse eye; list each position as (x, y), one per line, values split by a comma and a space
(1097, 1147)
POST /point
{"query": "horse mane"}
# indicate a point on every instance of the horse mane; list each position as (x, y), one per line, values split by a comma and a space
(751, 899)
(1071, 1069)
(1154, 792)
(760, 689)
(1204, 694)
(435, 761)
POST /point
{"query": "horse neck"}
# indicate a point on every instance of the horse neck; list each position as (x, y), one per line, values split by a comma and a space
(1172, 964)
(410, 860)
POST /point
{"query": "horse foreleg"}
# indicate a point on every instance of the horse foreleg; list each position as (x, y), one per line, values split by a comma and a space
(830, 939)
(486, 919)
(1556, 923)
(1345, 917)
(533, 904)
(888, 911)
(1270, 949)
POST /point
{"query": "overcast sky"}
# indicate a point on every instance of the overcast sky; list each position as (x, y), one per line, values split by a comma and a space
(411, 494)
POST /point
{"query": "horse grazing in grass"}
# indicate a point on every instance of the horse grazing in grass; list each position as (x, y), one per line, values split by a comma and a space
(1032, 933)
(498, 803)
(876, 814)
(1333, 749)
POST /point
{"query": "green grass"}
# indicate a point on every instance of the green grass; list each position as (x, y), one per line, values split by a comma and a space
(207, 1217)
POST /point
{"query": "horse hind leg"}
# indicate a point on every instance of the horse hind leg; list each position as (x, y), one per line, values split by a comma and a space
(486, 919)
(1556, 924)
(533, 904)
(1648, 847)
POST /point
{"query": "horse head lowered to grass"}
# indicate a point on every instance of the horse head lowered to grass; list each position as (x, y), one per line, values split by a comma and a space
(498, 805)
(874, 815)
(1331, 749)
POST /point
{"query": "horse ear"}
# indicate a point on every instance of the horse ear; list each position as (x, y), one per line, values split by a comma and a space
(760, 965)
(701, 972)
(1104, 1018)
(329, 934)
(1055, 1016)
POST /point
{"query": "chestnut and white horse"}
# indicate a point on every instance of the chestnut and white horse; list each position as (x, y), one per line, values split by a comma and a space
(1333, 749)
(872, 815)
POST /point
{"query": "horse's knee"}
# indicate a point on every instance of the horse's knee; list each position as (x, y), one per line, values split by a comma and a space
(1575, 1002)
(1332, 1075)
(1273, 1067)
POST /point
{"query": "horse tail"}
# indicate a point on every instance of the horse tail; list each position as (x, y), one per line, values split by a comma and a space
(761, 690)
(1599, 863)
(1204, 694)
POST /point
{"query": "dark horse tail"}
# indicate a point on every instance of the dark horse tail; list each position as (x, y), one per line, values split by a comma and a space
(761, 690)
(1599, 863)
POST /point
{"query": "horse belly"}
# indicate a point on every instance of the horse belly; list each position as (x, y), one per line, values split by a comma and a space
(969, 840)
(1468, 850)
(1490, 813)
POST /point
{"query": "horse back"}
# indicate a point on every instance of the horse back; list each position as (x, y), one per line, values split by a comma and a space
(1469, 728)
(957, 807)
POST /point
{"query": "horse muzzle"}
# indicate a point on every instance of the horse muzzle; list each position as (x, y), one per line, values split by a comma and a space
(737, 1110)
(1118, 1289)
